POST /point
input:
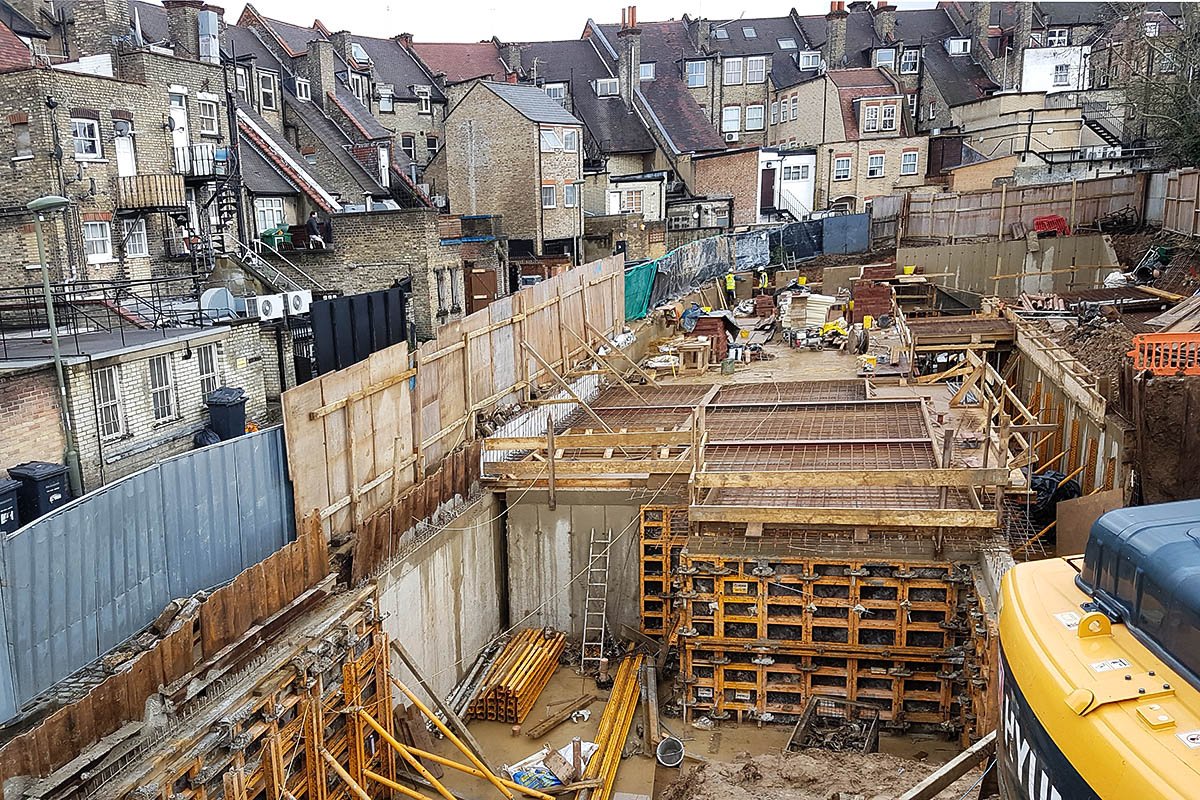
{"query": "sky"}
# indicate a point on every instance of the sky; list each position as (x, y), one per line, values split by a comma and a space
(537, 20)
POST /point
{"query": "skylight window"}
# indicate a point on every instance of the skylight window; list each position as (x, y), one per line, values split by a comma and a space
(749, 32)
(359, 54)
(787, 44)
(720, 33)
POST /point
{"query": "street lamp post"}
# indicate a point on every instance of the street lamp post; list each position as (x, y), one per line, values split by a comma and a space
(40, 207)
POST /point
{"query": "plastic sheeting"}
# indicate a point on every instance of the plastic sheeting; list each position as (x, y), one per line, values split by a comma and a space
(684, 269)
(753, 249)
(798, 241)
(846, 233)
(82, 580)
(639, 283)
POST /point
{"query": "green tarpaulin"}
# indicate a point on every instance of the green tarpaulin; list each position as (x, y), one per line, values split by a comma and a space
(639, 281)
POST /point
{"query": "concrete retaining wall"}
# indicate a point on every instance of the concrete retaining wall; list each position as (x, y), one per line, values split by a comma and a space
(444, 601)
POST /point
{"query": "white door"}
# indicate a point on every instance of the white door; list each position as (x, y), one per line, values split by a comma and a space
(126, 156)
(179, 131)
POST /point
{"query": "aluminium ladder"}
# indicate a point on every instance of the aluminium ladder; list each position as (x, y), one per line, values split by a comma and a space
(595, 606)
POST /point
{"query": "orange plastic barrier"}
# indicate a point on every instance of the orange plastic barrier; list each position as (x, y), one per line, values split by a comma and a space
(1167, 353)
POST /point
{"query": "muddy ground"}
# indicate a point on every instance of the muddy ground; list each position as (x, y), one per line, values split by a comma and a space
(808, 775)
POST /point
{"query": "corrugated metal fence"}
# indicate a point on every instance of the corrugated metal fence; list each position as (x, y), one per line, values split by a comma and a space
(82, 580)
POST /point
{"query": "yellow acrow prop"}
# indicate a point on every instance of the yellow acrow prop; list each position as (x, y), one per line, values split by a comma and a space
(614, 728)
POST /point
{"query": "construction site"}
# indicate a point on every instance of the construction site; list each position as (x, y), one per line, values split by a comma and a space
(746, 541)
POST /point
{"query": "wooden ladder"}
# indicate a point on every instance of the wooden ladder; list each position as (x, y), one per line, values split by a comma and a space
(595, 606)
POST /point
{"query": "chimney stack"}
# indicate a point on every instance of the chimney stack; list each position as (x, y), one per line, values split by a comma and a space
(629, 60)
(703, 34)
(885, 21)
(183, 26)
(98, 24)
(1022, 35)
(405, 40)
(321, 70)
(834, 51)
(512, 58)
(341, 45)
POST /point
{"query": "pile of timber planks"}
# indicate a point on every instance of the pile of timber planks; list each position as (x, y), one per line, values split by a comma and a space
(614, 728)
(518, 675)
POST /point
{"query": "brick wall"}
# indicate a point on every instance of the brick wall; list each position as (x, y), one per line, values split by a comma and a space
(559, 169)
(143, 439)
(491, 163)
(29, 415)
(860, 186)
(735, 174)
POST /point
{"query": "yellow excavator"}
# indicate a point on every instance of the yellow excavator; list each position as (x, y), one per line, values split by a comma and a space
(1100, 664)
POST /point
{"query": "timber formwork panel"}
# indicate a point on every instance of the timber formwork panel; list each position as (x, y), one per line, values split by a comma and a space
(763, 631)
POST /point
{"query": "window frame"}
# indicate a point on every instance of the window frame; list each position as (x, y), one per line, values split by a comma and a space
(387, 98)
(169, 408)
(720, 33)
(411, 149)
(786, 44)
(904, 162)
(795, 108)
(360, 86)
(727, 73)
(876, 170)
(570, 195)
(212, 374)
(241, 82)
(888, 118)
(725, 118)
(553, 196)
(632, 201)
(1152, 29)
(95, 139)
(1062, 75)
(570, 140)
(424, 99)
(267, 205)
(549, 140)
(603, 86)
(559, 88)
(910, 66)
(774, 112)
(958, 46)
(838, 170)
(756, 65)
(108, 398)
(890, 63)
(870, 118)
(748, 32)
(205, 119)
(100, 256)
(135, 231)
(432, 143)
(21, 130)
(303, 89)
(761, 117)
(812, 57)
(1058, 37)
(643, 73)
(702, 75)
(264, 92)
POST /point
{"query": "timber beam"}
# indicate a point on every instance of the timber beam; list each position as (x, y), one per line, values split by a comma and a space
(799, 479)
(855, 517)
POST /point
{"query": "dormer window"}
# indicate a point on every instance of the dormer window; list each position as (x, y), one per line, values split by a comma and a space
(1057, 37)
(303, 89)
(556, 92)
(1152, 29)
(910, 62)
(607, 87)
(387, 98)
(885, 57)
(809, 60)
(360, 85)
(958, 46)
(424, 99)
(646, 71)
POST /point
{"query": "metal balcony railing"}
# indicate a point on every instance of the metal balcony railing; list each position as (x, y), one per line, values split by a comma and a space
(204, 160)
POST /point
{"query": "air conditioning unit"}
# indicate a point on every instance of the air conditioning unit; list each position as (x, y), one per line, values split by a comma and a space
(267, 306)
(298, 302)
(731, 136)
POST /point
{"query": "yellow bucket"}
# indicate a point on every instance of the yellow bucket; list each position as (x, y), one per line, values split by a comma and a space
(910, 269)
(803, 279)
(870, 361)
(867, 320)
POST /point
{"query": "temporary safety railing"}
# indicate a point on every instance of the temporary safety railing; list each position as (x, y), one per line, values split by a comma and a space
(1167, 353)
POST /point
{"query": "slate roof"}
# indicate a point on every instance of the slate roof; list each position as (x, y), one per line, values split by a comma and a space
(395, 65)
(462, 62)
(153, 19)
(244, 42)
(678, 114)
(769, 31)
(576, 63)
(532, 103)
(294, 38)
(260, 176)
(335, 140)
(360, 115)
(273, 145)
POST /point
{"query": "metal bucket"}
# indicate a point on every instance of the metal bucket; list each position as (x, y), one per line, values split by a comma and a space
(670, 752)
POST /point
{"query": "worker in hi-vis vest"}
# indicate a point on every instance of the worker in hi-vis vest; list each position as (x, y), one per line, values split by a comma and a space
(764, 282)
(730, 295)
